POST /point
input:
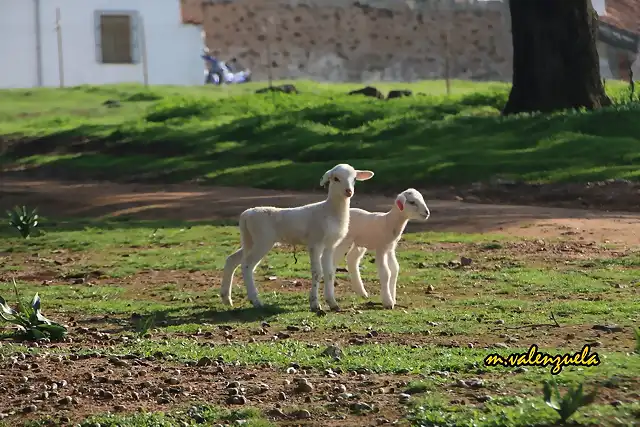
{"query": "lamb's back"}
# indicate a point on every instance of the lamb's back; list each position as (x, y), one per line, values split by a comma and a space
(365, 228)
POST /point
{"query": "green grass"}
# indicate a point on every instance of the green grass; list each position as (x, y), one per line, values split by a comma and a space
(195, 415)
(512, 293)
(383, 358)
(510, 412)
(231, 136)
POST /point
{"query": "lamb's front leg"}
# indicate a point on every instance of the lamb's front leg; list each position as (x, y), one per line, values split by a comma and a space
(329, 278)
(316, 271)
(384, 276)
(394, 266)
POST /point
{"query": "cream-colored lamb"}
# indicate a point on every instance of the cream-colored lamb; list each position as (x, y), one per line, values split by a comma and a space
(320, 226)
(380, 232)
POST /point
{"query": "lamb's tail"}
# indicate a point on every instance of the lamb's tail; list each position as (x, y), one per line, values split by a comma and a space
(245, 236)
(234, 260)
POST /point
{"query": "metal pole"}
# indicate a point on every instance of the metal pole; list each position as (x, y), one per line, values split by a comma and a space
(38, 31)
(447, 58)
(269, 75)
(268, 35)
(143, 45)
(60, 60)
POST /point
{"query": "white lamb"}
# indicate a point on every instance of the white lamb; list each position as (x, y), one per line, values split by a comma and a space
(320, 226)
(381, 232)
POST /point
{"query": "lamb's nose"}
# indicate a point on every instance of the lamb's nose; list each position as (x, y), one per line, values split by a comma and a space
(348, 192)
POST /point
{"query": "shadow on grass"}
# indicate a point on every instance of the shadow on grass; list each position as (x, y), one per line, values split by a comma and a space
(76, 140)
(409, 144)
(232, 315)
(165, 318)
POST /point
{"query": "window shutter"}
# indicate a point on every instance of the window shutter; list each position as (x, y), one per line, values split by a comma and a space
(136, 30)
(98, 37)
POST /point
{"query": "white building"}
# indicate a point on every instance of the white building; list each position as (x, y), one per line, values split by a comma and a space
(102, 41)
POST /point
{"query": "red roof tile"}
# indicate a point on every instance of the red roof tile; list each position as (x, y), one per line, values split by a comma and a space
(624, 14)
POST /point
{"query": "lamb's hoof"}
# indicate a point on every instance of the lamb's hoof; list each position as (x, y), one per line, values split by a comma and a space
(257, 304)
(388, 306)
(360, 291)
(336, 309)
(317, 309)
(226, 300)
(333, 304)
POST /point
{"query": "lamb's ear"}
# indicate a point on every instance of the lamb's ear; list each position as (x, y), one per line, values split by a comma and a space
(325, 178)
(363, 175)
(400, 201)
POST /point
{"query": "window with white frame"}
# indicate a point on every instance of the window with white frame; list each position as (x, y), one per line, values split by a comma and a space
(117, 37)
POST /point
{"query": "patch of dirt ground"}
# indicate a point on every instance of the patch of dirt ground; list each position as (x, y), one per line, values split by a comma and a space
(74, 387)
(201, 203)
(69, 387)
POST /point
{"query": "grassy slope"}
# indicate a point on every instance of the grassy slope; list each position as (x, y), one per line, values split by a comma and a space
(231, 136)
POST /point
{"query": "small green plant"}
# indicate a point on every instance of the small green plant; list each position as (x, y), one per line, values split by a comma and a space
(417, 387)
(568, 404)
(144, 324)
(23, 220)
(492, 246)
(33, 325)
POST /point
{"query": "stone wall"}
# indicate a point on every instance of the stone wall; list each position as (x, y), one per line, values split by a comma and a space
(336, 40)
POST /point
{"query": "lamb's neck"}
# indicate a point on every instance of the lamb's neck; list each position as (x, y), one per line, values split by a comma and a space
(339, 206)
(396, 222)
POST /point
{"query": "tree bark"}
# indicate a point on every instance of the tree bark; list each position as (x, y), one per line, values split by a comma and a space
(555, 60)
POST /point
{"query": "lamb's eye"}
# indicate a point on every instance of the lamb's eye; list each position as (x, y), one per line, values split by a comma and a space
(336, 179)
(411, 202)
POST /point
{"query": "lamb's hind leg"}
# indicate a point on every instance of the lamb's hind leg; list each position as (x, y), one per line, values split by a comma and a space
(338, 255)
(230, 266)
(353, 263)
(251, 260)
(339, 252)
(316, 271)
(394, 267)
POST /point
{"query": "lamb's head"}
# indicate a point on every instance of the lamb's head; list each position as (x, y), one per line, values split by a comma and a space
(411, 203)
(342, 179)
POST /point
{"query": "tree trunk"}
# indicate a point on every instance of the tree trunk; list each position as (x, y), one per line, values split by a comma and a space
(555, 61)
